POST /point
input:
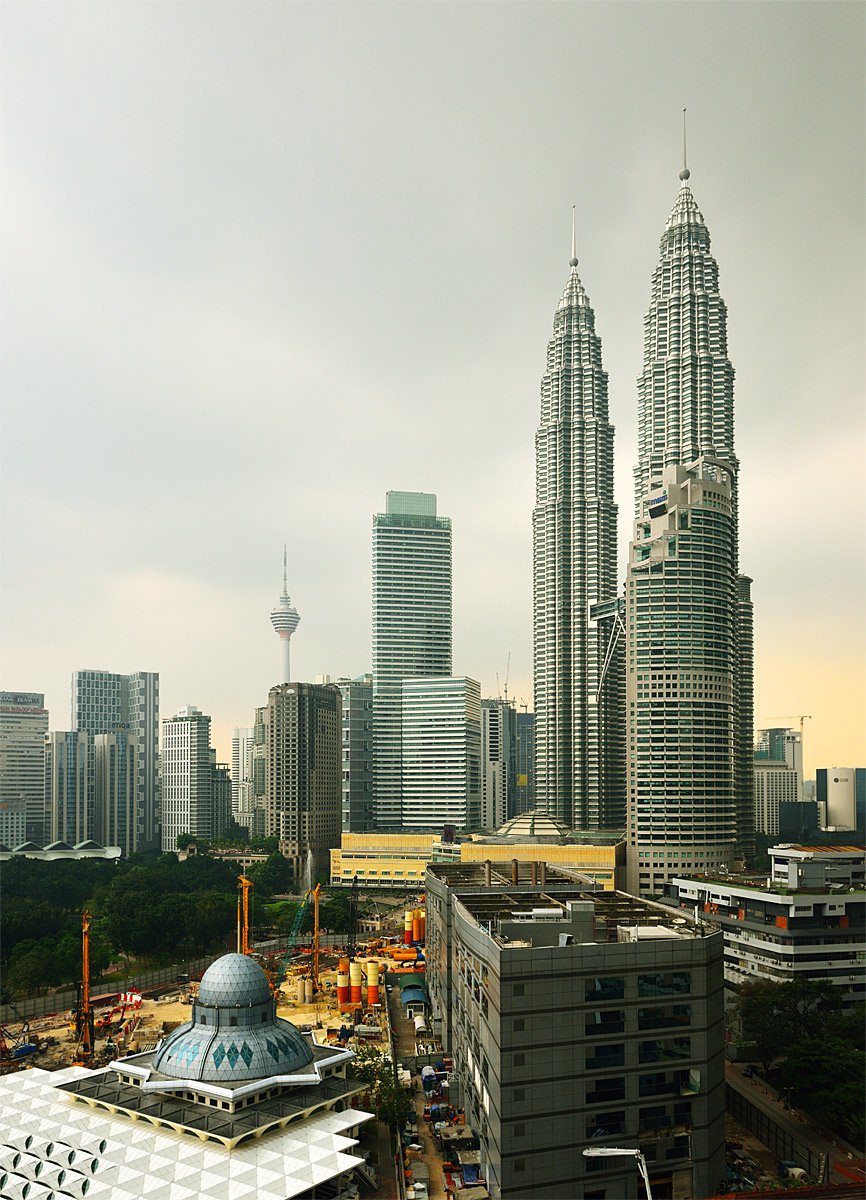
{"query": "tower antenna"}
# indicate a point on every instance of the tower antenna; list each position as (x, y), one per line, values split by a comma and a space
(573, 261)
(685, 172)
(285, 569)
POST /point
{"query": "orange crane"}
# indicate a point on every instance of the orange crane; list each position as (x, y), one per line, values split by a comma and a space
(84, 1030)
(314, 965)
(244, 926)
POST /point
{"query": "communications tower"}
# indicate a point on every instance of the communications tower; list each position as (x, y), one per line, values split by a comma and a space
(285, 620)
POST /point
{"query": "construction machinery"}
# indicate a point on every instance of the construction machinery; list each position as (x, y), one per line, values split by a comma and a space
(84, 1020)
(352, 935)
(244, 915)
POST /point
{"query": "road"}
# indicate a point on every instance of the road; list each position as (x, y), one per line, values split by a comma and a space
(800, 1125)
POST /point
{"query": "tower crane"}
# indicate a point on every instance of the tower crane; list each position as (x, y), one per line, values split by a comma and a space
(84, 1030)
(801, 717)
(244, 925)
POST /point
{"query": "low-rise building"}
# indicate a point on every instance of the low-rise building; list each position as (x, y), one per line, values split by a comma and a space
(383, 859)
(575, 1018)
(806, 920)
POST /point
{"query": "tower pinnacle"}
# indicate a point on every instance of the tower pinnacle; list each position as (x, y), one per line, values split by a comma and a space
(285, 621)
(573, 260)
(685, 172)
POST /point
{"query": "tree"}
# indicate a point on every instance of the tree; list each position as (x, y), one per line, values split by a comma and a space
(375, 1068)
(827, 1078)
(272, 876)
(775, 1016)
(183, 840)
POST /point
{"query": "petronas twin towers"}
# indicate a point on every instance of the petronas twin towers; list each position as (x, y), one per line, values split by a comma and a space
(643, 707)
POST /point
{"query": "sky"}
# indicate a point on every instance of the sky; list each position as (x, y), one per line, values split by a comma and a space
(262, 263)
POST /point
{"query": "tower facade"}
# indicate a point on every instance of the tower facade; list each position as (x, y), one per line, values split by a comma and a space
(688, 612)
(357, 754)
(411, 626)
(302, 778)
(285, 621)
(23, 726)
(104, 702)
(441, 752)
(242, 771)
(574, 566)
(187, 777)
(498, 761)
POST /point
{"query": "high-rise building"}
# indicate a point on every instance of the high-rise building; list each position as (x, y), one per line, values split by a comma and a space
(187, 777)
(411, 626)
(23, 726)
(574, 566)
(841, 796)
(103, 702)
(781, 746)
(524, 764)
(441, 753)
(69, 787)
(285, 621)
(301, 726)
(688, 612)
(498, 761)
(356, 751)
(775, 784)
(115, 792)
(242, 770)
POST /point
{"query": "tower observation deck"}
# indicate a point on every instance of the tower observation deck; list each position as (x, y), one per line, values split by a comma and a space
(285, 621)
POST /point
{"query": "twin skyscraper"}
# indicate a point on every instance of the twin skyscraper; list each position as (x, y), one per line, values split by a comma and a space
(643, 702)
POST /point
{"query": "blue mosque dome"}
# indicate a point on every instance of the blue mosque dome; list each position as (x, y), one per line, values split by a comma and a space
(234, 1035)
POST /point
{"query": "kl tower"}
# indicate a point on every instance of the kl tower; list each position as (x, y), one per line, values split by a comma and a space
(285, 619)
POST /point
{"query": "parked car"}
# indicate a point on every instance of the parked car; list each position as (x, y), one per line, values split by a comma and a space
(748, 1072)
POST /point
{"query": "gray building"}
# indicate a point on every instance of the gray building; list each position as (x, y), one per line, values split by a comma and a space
(688, 612)
(104, 702)
(188, 762)
(23, 726)
(69, 788)
(115, 792)
(574, 565)
(440, 752)
(356, 751)
(411, 627)
(301, 726)
(498, 761)
(806, 920)
(578, 1018)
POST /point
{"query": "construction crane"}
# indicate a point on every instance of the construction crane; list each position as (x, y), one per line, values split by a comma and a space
(314, 964)
(799, 717)
(244, 925)
(84, 1031)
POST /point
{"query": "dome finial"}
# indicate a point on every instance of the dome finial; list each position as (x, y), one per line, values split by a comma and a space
(685, 172)
(573, 260)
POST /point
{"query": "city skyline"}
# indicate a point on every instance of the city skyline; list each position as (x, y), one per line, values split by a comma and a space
(168, 322)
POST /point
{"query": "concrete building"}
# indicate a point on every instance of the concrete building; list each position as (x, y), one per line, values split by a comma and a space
(69, 787)
(115, 793)
(302, 725)
(13, 822)
(23, 726)
(411, 626)
(440, 752)
(536, 837)
(841, 796)
(578, 1018)
(806, 920)
(387, 860)
(781, 745)
(187, 778)
(104, 702)
(235, 1103)
(498, 762)
(524, 764)
(574, 565)
(285, 621)
(356, 749)
(688, 611)
(775, 784)
(242, 770)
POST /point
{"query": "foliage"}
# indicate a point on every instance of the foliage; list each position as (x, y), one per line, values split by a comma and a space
(183, 840)
(777, 1015)
(375, 1069)
(827, 1078)
(273, 876)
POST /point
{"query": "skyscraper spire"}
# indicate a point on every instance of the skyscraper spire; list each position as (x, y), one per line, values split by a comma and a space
(573, 260)
(684, 173)
(285, 621)
(574, 564)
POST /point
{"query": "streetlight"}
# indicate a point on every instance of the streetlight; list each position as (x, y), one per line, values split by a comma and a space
(612, 1151)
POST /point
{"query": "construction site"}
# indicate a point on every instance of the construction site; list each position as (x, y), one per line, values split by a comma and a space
(370, 992)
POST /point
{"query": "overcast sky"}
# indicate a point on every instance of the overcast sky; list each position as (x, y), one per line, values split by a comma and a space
(263, 262)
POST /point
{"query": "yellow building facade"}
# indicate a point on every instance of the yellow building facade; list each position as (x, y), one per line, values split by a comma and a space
(383, 859)
(601, 863)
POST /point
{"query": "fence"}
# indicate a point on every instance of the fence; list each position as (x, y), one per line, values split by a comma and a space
(58, 1002)
(784, 1144)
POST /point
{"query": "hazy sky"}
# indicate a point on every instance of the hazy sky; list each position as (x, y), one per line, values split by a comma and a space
(263, 262)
